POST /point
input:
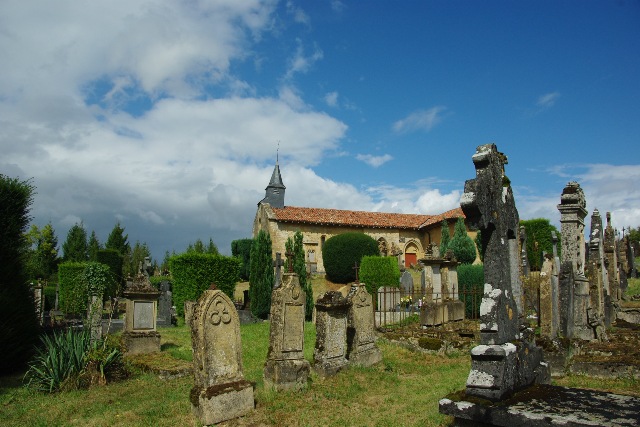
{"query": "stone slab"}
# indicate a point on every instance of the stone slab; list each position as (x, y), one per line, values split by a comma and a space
(222, 402)
(546, 405)
(141, 342)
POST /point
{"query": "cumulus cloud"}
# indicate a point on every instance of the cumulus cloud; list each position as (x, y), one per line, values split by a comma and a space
(374, 161)
(420, 120)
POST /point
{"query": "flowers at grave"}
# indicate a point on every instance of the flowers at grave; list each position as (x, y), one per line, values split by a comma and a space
(406, 301)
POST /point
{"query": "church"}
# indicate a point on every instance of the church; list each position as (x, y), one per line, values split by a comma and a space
(405, 236)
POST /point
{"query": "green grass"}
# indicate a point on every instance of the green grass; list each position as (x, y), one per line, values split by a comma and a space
(403, 390)
(633, 288)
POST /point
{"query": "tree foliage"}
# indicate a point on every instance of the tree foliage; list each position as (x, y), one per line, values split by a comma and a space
(539, 240)
(76, 248)
(377, 271)
(342, 252)
(94, 246)
(463, 247)
(42, 254)
(296, 247)
(261, 275)
(139, 252)
(18, 322)
(471, 285)
(445, 237)
(112, 259)
(200, 248)
(241, 249)
(118, 240)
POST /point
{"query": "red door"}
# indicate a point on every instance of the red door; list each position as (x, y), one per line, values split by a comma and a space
(410, 259)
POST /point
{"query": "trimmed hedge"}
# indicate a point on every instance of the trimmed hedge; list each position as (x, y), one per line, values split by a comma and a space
(193, 273)
(341, 252)
(376, 271)
(471, 279)
(73, 294)
(112, 259)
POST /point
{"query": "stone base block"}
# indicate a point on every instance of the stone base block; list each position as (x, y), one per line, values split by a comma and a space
(222, 402)
(141, 342)
(545, 405)
(438, 313)
(285, 375)
(329, 367)
(365, 356)
(499, 370)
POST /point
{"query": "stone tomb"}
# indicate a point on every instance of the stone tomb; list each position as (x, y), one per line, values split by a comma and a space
(361, 340)
(220, 391)
(286, 368)
(330, 354)
(140, 334)
(441, 304)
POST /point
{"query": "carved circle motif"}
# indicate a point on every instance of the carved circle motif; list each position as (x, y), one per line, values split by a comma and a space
(295, 292)
(219, 314)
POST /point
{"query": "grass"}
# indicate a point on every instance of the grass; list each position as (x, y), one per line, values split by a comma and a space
(403, 390)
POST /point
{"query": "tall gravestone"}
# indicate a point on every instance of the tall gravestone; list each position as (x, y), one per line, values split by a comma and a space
(507, 358)
(575, 300)
(406, 283)
(361, 341)
(140, 334)
(524, 259)
(286, 368)
(611, 260)
(548, 300)
(220, 391)
(165, 304)
(596, 268)
(330, 354)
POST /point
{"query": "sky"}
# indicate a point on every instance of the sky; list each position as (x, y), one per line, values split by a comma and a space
(167, 116)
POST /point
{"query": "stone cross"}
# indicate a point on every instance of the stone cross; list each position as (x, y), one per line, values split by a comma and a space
(290, 256)
(357, 269)
(277, 264)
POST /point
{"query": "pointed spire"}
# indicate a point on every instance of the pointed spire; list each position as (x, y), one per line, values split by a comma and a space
(274, 193)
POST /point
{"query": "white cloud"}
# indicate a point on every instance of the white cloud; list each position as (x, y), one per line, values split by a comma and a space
(298, 14)
(300, 62)
(548, 99)
(420, 120)
(374, 161)
(331, 99)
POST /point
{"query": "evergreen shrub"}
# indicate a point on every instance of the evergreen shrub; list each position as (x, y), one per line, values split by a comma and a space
(471, 279)
(445, 237)
(296, 247)
(192, 273)
(538, 240)
(261, 275)
(112, 259)
(341, 252)
(242, 249)
(73, 293)
(463, 247)
(377, 271)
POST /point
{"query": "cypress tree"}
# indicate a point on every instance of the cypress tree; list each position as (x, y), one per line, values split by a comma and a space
(261, 275)
(75, 248)
(463, 247)
(296, 247)
(445, 237)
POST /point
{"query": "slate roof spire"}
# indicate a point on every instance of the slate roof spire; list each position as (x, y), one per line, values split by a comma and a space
(274, 193)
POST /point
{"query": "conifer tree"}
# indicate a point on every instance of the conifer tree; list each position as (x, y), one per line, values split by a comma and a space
(463, 247)
(94, 246)
(296, 247)
(75, 248)
(261, 275)
(42, 256)
(118, 240)
(445, 237)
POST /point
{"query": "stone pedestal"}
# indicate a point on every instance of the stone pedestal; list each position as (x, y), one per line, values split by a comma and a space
(140, 334)
(438, 313)
(331, 334)
(361, 341)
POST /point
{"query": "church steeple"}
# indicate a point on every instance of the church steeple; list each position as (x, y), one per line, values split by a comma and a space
(274, 193)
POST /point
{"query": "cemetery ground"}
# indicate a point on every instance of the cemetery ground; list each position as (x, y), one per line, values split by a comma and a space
(403, 390)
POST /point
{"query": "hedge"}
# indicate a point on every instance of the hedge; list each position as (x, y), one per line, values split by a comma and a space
(112, 259)
(241, 249)
(341, 252)
(193, 273)
(471, 279)
(72, 297)
(377, 271)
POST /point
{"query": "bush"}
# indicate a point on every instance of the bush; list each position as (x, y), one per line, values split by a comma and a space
(242, 249)
(112, 259)
(340, 253)
(471, 279)
(192, 273)
(445, 237)
(538, 240)
(73, 293)
(376, 271)
(296, 247)
(463, 247)
(261, 275)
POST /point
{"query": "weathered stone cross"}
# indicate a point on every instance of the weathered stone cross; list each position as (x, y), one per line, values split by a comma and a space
(357, 269)
(290, 256)
(277, 263)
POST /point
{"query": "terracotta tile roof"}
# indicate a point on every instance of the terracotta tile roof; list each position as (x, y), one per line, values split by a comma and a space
(321, 216)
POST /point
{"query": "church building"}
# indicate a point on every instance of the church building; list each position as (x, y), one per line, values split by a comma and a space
(405, 236)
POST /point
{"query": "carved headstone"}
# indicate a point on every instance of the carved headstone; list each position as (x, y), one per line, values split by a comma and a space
(286, 368)
(596, 268)
(331, 334)
(140, 334)
(220, 391)
(406, 283)
(507, 359)
(361, 340)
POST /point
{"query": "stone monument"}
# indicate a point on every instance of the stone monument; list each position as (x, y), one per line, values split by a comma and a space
(140, 334)
(286, 368)
(507, 358)
(220, 391)
(361, 340)
(330, 354)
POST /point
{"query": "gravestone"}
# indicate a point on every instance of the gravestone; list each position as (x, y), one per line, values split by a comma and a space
(388, 298)
(331, 334)
(524, 259)
(424, 284)
(140, 334)
(38, 299)
(277, 264)
(548, 317)
(406, 283)
(286, 368)
(507, 358)
(165, 304)
(94, 317)
(612, 261)
(189, 306)
(361, 341)
(596, 268)
(220, 391)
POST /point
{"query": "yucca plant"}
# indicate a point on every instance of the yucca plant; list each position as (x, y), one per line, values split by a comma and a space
(59, 359)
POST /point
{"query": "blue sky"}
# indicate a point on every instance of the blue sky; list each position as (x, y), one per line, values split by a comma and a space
(166, 115)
